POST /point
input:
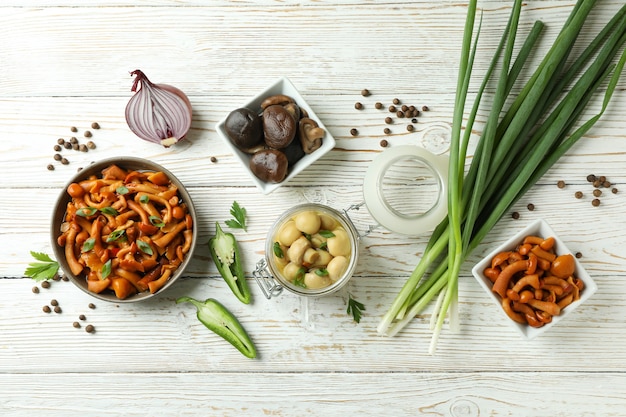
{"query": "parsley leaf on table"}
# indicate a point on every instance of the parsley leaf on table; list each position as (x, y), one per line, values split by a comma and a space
(43, 270)
(355, 308)
(239, 214)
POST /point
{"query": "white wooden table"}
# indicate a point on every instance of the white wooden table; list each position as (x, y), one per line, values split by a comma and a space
(66, 63)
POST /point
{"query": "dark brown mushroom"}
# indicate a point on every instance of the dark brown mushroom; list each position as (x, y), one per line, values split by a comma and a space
(311, 135)
(244, 128)
(269, 165)
(279, 126)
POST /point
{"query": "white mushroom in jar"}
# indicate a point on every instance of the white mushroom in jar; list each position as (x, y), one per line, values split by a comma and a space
(314, 281)
(323, 259)
(295, 253)
(308, 222)
(292, 270)
(339, 244)
(288, 233)
(336, 267)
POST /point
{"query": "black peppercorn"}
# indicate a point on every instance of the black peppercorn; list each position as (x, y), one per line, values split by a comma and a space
(392, 109)
(578, 194)
(87, 134)
(597, 192)
(64, 161)
(92, 306)
(354, 132)
(384, 143)
(95, 125)
(579, 255)
(396, 101)
(73, 129)
(365, 92)
(591, 178)
(73, 140)
(57, 148)
(35, 290)
(50, 167)
(57, 309)
(515, 215)
(60, 141)
(90, 329)
(595, 202)
(530, 207)
(410, 128)
(614, 190)
(413, 120)
(388, 120)
(82, 317)
(425, 108)
(399, 114)
(54, 303)
(560, 184)
(57, 157)
(358, 105)
(213, 159)
(45, 284)
(387, 131)
(91, 145)
(378, 105)
(46, 309)
(76, 325)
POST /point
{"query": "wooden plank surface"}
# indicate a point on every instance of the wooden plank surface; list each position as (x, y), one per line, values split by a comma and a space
(67, 64)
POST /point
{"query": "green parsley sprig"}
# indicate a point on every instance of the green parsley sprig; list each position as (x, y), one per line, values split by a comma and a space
(46, 268)
(355, 308)
(239, 214)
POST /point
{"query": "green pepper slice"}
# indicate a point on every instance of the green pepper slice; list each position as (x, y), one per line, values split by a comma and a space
(225, 253)
(219, 320)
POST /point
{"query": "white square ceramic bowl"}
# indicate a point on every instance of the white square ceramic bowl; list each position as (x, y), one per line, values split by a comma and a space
(281, 86)
(542, 229)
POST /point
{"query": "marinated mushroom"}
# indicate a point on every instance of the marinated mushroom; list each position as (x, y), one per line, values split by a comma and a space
(295, 253)
(315, 282)
(279, 127)
(311, 135)
(244, 128)
(277, 99)
(269, 165)
(339, 244)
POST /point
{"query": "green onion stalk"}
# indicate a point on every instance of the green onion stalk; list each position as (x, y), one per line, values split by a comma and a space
(517, 146)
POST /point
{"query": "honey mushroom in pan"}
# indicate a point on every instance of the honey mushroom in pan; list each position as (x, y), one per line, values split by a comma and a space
(314, 250)
(127, 231)
(534, 282)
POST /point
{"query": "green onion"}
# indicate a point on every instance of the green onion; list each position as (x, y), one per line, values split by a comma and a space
(517, 146)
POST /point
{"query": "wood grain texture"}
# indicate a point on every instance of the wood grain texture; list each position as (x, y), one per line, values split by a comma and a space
(67, 64)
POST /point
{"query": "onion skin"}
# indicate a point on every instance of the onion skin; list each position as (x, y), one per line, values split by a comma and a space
(158, 113)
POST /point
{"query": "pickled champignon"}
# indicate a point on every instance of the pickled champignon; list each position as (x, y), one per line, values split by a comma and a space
(244, 128)
(279, 127)
(311, 135)
(269, 165)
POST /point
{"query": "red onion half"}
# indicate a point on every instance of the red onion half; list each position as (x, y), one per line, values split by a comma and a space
(158, 113)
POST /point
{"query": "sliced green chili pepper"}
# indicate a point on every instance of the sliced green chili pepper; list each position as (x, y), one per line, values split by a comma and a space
(222, 322)
(225, 253)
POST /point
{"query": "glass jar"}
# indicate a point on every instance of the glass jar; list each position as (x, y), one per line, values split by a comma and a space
(270, 271)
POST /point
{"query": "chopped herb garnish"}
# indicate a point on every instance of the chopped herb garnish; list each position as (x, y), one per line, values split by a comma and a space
(106, 269)
(43, 270)
(86, 211)
(156, 221)
(299, 280)
(88, 244)
(308, 236)
(109, 210)
(144, 247)
(322, 272)
(326, 233)
(278, 251)
(239, 214)
(355, 308)
(121, 190)
(144, 199)
(323, 245)
(115, 235)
